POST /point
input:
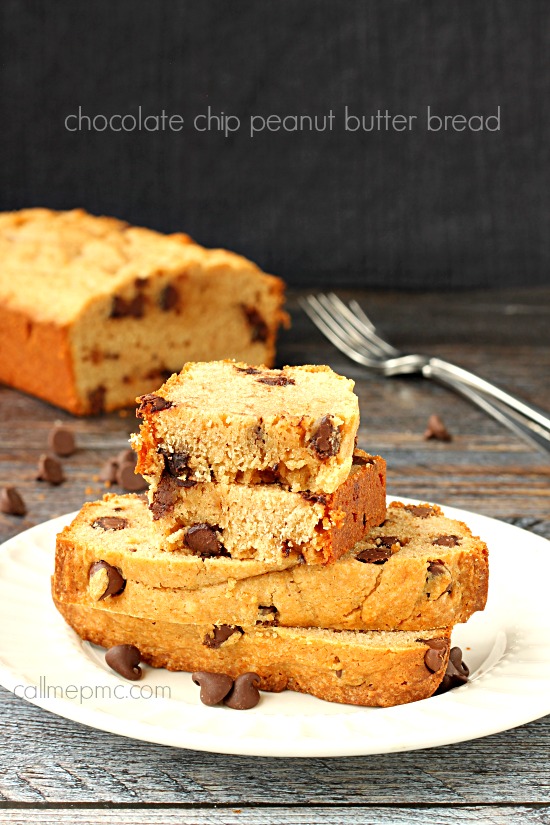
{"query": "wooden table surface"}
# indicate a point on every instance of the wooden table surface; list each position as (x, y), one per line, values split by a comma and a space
(54, 770)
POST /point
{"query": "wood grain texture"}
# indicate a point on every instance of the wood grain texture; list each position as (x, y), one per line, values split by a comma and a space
(52, 761)
(46, 759)
(495, 815)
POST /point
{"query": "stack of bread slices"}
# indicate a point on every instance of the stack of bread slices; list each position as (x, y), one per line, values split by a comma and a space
(264, 545)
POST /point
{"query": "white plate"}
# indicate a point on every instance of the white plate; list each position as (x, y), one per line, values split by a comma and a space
(507, 648)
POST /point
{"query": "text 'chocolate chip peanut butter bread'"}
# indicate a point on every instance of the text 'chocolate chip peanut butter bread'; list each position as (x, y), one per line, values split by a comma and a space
(416, 571)
(230, 422)
(94, 312)
(355, 667)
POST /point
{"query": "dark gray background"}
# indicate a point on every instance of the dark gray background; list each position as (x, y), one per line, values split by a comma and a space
(406, 210)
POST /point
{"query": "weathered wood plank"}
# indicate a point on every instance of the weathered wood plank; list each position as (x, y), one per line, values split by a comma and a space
(48, 759)
(492, 815)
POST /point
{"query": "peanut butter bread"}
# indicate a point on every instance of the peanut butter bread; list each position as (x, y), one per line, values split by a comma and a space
(94, 312)
(418, 570)
(269, 523)
(353, 667)
(228, 422)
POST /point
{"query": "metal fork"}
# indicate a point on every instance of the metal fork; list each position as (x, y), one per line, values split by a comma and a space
(354, 334)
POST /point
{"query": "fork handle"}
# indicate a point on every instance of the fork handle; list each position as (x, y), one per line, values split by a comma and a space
(509, 406)
(514, 421)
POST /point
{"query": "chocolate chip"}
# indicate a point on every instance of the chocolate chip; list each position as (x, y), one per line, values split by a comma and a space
(248, 370)
(435, 655)
(203, 539)
(268, 615)
(361, 460)
(269, 475)
(456, 660)
(110, 523)
(109, 471)
(437, 429)
(456, 674)
(245, 693)
(436, 568)
(326, 438)
(374, 555)
(169, 298)
(420, 510)
(50, 470)
(132, 308)
(176, 464)
(116, 581)
(447, 541)
(11, 502)
(258, 434)
(289, 547)
(124, 660)
(220, 635)
(61, 441)
(338, 673)
(96, 400)
(152, 403)
(315, 498)
(126, 456)
(258, 327)
(131, 481)
(214, 686)
(276, 380)
(164, 497)
(389, 541)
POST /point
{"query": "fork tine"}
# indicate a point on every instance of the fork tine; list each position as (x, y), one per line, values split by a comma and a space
(326, 324)
(355, 307)
(344, 317)
(361, 320)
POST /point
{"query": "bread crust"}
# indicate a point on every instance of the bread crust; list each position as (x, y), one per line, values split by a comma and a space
(36, 358)
(330, 665)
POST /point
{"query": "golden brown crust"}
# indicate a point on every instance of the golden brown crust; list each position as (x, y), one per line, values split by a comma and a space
(36, 358)
(387, 669)
(361, 500)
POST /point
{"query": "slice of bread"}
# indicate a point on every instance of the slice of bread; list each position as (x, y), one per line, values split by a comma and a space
(417, 571)
(354, 667)
(229, 422)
